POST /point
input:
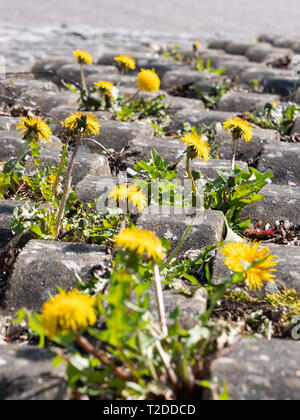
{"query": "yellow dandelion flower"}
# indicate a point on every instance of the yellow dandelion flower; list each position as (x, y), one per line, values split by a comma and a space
(83, 124)
(143, 242)
(240, 128)
(125, 61)
(83, 57)
(239, 255)
(197, 44)
(148, 81)
(34, 128)
(71, 311)
(104, 85)
(130, 193)
(198, 144)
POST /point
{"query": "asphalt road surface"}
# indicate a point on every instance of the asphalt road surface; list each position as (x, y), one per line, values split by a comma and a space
(210, 16)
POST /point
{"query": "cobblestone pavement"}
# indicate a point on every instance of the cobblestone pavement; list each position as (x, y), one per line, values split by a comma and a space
(232, 16)
(258, 73)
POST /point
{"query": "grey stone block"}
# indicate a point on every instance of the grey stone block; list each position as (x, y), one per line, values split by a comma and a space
(93, 188)
(283, 86)
(267, 38)
(234, 101)
(169, 148)
(128, 92)
(262, 73)
(12, 145)
(207, 229)
(236, 68)
(6, 216)
(86, 163)
(71, 72)
(19, 86)
(258, 369)
(62, 112)
(263, 52)
(282, 41)
(161, 65)
(280, 202)
(48, 100)
(250, 151)
(219, 59)
(209, 169)
(44, 265)
(296, 98)
(219, 43)
(238, 47)
(191, 307)
(107, 59)
(296, 128)
(177, 103)
(48, 67)
(172, 150)
(6, 212)
(116, 134)
(179, 79)
(8, 123)
(283, 161)
(287, 274)
(112, 77)
(198, 117)
(27, 373)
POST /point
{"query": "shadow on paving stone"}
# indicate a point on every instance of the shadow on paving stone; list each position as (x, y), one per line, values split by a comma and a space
(257, 369)
(27, 373)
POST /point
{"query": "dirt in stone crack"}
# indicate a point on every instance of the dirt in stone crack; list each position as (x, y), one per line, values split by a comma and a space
(253, 317)
(281, 232)
(293, 138)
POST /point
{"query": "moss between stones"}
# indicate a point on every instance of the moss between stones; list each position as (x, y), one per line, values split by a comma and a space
(287, 300)
(239, 296)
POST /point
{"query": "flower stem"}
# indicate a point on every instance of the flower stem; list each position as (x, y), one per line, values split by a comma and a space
(235, 140)
(83, 84)
(188, 170)
(160, 302)
(22, 154)
(132, 97)
(99, 354)
(61, 164)
(67, 185)
(166, 360)
(181, 243)
(120, 78)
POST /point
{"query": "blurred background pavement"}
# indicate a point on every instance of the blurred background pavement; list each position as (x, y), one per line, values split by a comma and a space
(248, 18)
